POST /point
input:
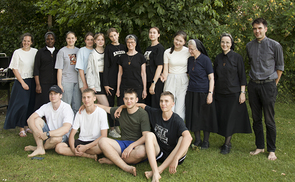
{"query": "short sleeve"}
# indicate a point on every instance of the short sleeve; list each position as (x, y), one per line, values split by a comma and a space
(68, 114)
(80, 61)
(59, 60)
(166, 57)
(159, 57)
(77, 120)
(14, 60)
(209, 68)
(103, 120)
(142, 59)
(41, 111)
(145, 122)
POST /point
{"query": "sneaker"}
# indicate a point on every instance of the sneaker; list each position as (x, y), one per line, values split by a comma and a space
(117, 128)
(114, 134)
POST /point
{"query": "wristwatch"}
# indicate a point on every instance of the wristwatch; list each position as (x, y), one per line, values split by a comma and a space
(48, 134)
(153, 82)
(244, 92)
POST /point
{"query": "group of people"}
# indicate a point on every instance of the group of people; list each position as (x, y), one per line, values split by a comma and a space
(178, 84)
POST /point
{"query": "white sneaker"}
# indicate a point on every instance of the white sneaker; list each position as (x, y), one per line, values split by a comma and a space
(117, 128)
(114, 134)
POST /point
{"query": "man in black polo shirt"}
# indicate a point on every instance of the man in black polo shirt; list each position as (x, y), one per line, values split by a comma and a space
(267, 64)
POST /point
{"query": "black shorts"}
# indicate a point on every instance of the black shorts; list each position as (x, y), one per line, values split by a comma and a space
(163, 156)
(79, 142)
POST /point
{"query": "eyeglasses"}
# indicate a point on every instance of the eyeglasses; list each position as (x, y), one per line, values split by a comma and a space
(131, 42)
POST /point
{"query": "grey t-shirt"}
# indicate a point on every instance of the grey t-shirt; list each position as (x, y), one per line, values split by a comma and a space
(265, 57)
(66, 60)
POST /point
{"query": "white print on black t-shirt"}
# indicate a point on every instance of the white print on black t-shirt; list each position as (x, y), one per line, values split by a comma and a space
(161, 133)
(118, 53)
(147, 57)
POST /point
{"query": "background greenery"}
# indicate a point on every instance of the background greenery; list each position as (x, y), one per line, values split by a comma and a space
(200, 165)
(202, 19)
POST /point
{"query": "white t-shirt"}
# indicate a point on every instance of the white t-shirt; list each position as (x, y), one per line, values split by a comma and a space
(23, 61)
(56, 118)
(177, 61)
(91, 124)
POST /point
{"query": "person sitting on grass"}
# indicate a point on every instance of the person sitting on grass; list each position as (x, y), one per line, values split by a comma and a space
(169, 140)
(93, 126)
(134, 122)
(59, 117)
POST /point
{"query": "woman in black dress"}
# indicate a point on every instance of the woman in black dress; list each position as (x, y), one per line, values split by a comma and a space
(154, 57)
(230, 82)
(132, 72)
(200, 111)
(44, 71)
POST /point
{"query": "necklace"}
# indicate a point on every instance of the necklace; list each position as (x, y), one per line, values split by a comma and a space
(129, 60)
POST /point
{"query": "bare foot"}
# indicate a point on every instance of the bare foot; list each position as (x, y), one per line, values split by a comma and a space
(105, 161)
(30, 148)
(95, 158)
(37, 152)
(148, 174)
(131, 170)
(272, 156)
(156, 177)
(257, 151)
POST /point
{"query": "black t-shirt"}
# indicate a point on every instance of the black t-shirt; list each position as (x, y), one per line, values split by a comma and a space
(44, 66)
(112, 54)
(154, 57)
(198, 70)
(131, 77)
(229, 73)
(167, 132)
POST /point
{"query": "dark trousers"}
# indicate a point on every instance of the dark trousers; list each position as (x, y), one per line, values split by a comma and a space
(111, 100)
(262, 97)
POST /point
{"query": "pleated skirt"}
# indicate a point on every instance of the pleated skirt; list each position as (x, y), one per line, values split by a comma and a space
(231, 115)
(200, 115)
(21, 104)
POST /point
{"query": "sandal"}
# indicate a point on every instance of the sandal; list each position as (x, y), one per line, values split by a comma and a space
(28, 130)
(22, 133)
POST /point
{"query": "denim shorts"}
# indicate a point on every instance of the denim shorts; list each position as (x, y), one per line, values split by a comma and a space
(46, 129)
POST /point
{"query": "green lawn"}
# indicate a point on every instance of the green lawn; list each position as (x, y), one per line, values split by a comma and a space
(208, 165)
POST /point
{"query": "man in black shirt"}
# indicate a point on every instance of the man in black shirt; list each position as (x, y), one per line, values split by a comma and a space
(169, 140)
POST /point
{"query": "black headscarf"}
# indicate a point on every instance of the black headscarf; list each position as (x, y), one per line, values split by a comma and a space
(231, 38)
(200, 47)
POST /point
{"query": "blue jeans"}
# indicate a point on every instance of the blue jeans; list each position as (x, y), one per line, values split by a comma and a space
(72, 95)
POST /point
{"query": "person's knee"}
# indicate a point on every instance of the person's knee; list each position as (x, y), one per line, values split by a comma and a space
(150, 136)
(55, 140)
(102, 142)
(139, 152)
(59, 148)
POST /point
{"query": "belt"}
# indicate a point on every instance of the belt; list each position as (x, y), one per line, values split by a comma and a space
(262, 81)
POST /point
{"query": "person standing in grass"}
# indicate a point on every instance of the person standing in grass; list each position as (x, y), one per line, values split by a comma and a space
(169, 140)
(93, 126)
(21, 104)
(200, 110)
(67, 76)
(230, 84)
(44, 72)
(59, 119)
(82, 60)
(134, 122)
(175, 72)
(154, 65)
(267, 65)
(112, 54)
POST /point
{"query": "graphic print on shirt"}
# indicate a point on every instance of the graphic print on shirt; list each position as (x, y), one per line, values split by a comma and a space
(161, 133)
(73, 59)
(147, 57)
(118, 53)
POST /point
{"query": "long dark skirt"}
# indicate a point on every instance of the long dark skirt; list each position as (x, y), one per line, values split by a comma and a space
(43, 97)
(200, 115)
(231, 115)
(154, 100)
(21, 104)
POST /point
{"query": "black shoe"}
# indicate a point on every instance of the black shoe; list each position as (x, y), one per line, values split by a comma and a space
(225, 149)
(205, 145)
(229, 146)
(196, 144)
